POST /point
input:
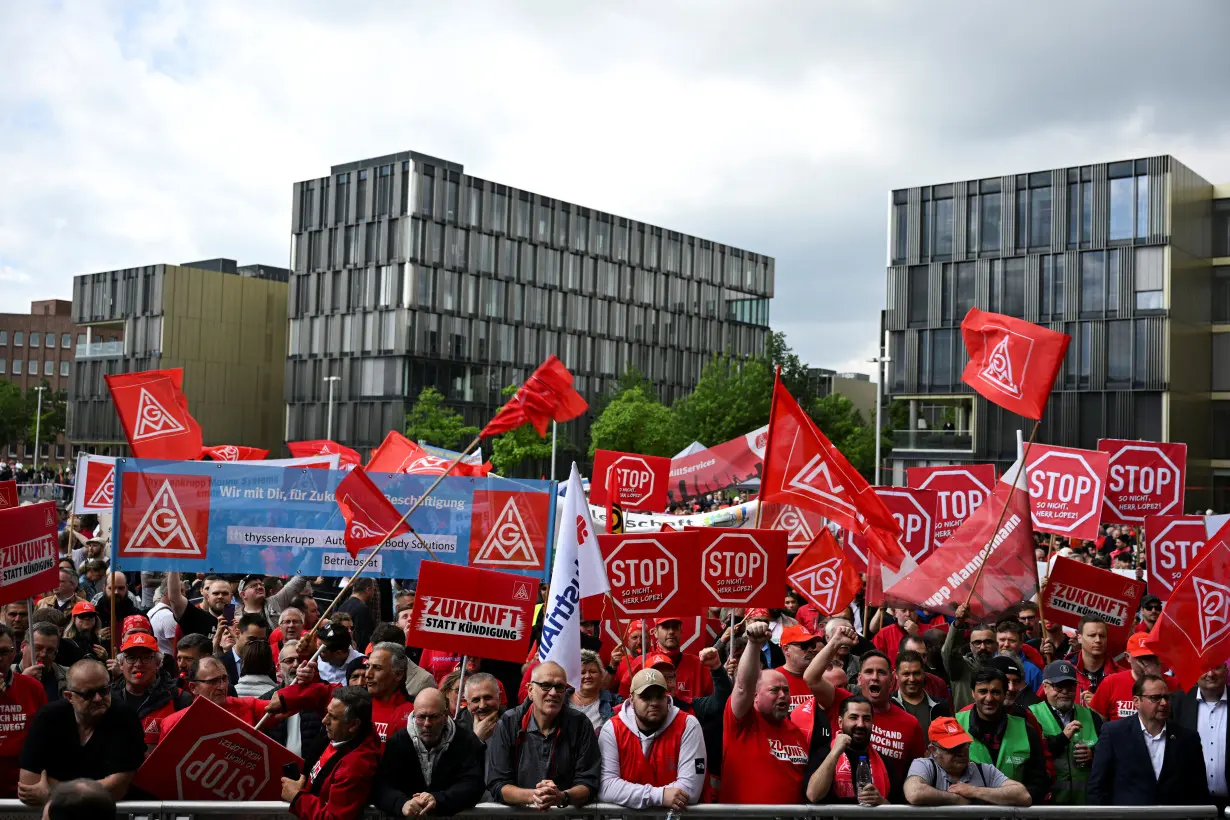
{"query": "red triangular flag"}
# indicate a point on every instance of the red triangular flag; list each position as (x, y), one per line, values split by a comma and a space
(324, 447)
(1192, 635)
(1012, 362)
(945, 577)
(546, 395)
(369, 515)
(398, 454)
(803, 468)
(154, 413)
(823, 575)
(233, 452)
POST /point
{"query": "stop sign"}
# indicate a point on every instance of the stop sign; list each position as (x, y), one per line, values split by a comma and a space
(959, 490)
(1065, 489)
(743, 568)
(914, 512)
(653, 574)
(1145, 478)
(638, 482)
(1173, 541)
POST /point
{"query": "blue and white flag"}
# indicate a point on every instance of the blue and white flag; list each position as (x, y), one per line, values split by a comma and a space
(578, 572)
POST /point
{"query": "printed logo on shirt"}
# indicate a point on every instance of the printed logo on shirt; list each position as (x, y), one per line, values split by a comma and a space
(798, 700)
(888, 743)
(788, 752)
(1126, 708)
(382, 730)
(12, 718)
(700, 765)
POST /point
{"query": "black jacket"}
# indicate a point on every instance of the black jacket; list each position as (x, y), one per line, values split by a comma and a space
(1123, 774)
(574, 761)
(1185, 711)
(709, 711)
(457, 778)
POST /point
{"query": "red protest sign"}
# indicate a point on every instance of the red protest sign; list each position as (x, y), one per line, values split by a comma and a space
(509, 530)
(1173, 541)
(8, 493)
(915, 513)
(212, 755)
(654, 574)
(28, 550)
(1145, 478)
(1074, 590)
(95, 484)
(1066, 486)
(639, 481)
(959, 491)
(164, 515)
(473, 612)
(742, 568)
(801, 526)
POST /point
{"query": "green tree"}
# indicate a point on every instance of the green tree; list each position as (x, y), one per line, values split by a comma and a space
(630, 379)
(16, 415)
(54, 414)
(842, 422)
(430, 421)
(635, 423)
(794, 369)
(521, 449)
(731, 398)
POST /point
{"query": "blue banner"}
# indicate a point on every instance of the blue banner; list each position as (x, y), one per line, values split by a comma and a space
(235, 518)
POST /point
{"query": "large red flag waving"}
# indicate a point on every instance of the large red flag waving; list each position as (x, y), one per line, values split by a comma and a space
(369, 515)
(803, 468)
(398, 454)
(547, 395)
(944, 579)
(823, 575)
(233, 452)
(1193, 633)
(324, 447)
(154, 413)
(1012, 362)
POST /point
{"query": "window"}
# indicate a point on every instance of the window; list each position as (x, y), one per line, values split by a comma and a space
(63, 368)
(17, 367)
(917, 307)
(1150, 274)
(1012, 297)
(1221, 227)
(35, 338)
(4, 366)
(1040, 217)
(1221, 362)
(989, 209)
(80, 338)
(66, 341)
(1093, 282)
(946, 295)
(4, 337)
(49, 367)
(18, 338)
(32, 370)
(941, 359)
(943, 226)
(1142, 207)
(924, 232)
(1129, 202)
(1221, 292)
(1120, 209)
(965, 289)
(1050, 305)
(900, 226)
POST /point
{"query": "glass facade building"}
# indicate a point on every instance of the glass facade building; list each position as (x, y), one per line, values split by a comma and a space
(409, 273)
(1125, 257)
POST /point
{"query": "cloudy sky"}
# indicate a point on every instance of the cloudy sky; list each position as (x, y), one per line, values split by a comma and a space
(140, 132)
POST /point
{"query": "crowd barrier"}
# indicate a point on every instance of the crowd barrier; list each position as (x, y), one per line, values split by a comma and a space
(606, 811)
(44, 492)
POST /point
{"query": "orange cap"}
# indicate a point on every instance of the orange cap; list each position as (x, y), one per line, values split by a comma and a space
(140, 640)
(947, 733)
(1137, 646)
(796, 634)
(658, 659)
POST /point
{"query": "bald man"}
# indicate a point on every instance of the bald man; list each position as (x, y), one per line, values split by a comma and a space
(760, 744)
(447, 781)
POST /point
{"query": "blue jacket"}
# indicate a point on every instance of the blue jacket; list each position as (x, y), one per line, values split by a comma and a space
(1123, 774)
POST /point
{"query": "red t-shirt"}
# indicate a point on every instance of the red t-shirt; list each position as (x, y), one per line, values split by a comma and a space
(439, 663)
(767, 759)
(895, 734)
(800, 692)
(1114, 699)
(888, 640)
(391, 714)
(20, 700)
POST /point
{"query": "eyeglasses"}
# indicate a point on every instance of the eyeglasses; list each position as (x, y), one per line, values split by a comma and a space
(223, 679)
(6, 651)
(149, 659)
(551, 687)
(984, 642)
(102, 692)
(86, 616)
(418, 718)
(1156, 699)
(1152, 608)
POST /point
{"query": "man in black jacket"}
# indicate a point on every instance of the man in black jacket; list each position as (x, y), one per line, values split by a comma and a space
(1146, 761)
(431, 767)
(1204, 711)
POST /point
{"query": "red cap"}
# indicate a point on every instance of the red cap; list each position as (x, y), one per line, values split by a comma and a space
(660, 621)
(947, 733)
(658, 659)
(796, 634)
(139, 640)
(756, 613)
(1136, 646)
(137, 622)
(84, 608)
(635, 626)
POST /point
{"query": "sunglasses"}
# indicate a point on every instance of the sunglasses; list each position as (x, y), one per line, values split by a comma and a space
(552, 687)
(102, 692)
(1152, 608)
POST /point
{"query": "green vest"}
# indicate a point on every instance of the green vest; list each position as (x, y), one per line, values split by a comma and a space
(1013, 749)
(1070, 779)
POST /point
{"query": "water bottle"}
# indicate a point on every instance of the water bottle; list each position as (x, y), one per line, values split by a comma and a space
(862, 777)
(673, 814)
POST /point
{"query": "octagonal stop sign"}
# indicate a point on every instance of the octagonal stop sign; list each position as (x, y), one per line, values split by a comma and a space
(743, 568)
(638, 482)
(1173, 541)
(960, 489)
(1065, 489)
(652, 575)
(1145, 478)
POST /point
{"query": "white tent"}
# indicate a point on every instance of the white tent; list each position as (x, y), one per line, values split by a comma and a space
(691, 449)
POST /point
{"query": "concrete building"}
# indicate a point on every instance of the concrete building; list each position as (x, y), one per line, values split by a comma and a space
(1131, 258)
(224, 324)
(409, 273)
(857, 387)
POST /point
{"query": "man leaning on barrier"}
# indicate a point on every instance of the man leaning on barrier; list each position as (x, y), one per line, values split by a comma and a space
(947, 777)
(1069, 730)
(544, 753)
(338, 786)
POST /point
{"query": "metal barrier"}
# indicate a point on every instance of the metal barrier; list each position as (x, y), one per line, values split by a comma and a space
(607, 811)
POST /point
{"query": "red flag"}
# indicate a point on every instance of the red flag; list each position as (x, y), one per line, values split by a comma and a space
(547, 395)
(234, 452)
(1012, 362)
(944, 579)
(8, 493)
(154, 413)
(369, 515)
(1193, 633)
(803, 468)
(823, 575)
(324, 447)
(398, 454)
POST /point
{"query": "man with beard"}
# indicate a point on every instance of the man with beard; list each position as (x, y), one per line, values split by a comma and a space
(172, 616)
(709, 709)
(17, 618)
(1069, 730)
(1003, 739)
(692, 680)
(208, 680)
(125, 607)
(252, 594)
(1203, 710)
(483, 707)
(652, 753)
(431, 766)
(1150, 611)
(835, 780)
(949, 778)
(768, 752)
(960, 664)
(799, 647)
(912, 694)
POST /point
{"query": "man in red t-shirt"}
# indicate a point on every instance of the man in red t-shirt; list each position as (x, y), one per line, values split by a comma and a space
(209, 680)
(888, 639)
(1092, 660)
(764, 755)
(1114, 699)
(20, 697)
(692, 679)
(799, 646)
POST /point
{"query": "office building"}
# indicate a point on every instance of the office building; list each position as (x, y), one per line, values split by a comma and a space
(409, 273)
(857, 387)
(224, 324)
(1129, 258)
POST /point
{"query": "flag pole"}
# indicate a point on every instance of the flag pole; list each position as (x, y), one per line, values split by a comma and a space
(768, 437)
(461, 685)
(1015, 480)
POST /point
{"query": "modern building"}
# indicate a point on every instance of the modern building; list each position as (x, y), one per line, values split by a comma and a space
(1130, 258)
(409, 273)
(857, 387)
(224, 324)
(36, 349)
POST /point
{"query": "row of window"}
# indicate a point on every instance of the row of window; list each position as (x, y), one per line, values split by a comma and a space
(19, 365)
(37, 339)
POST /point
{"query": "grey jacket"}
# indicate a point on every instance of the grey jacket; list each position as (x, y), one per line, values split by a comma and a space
(417, 679)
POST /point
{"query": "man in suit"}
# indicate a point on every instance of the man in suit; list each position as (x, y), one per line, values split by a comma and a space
(1148, 761)
(1203, 710)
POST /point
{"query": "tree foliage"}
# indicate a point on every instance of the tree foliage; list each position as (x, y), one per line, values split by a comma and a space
(842, 422)
(521, 449)
(635, 423)
(16, 414)
(54, 414)
(731, 398)
(794, 370)
(430, 421)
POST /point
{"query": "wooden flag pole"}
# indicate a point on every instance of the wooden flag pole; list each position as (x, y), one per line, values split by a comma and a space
(461, 686)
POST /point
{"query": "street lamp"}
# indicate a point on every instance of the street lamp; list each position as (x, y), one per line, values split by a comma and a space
(879, 362)
(38, 422)
(329, 422)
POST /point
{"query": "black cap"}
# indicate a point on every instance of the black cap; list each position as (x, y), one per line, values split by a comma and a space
(1059, 672)
(247, 579)
(357, 663)
(334, 636)
(1007, 665)
(1149, 600)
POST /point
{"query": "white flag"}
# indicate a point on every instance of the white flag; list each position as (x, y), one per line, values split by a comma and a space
(578, 572)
